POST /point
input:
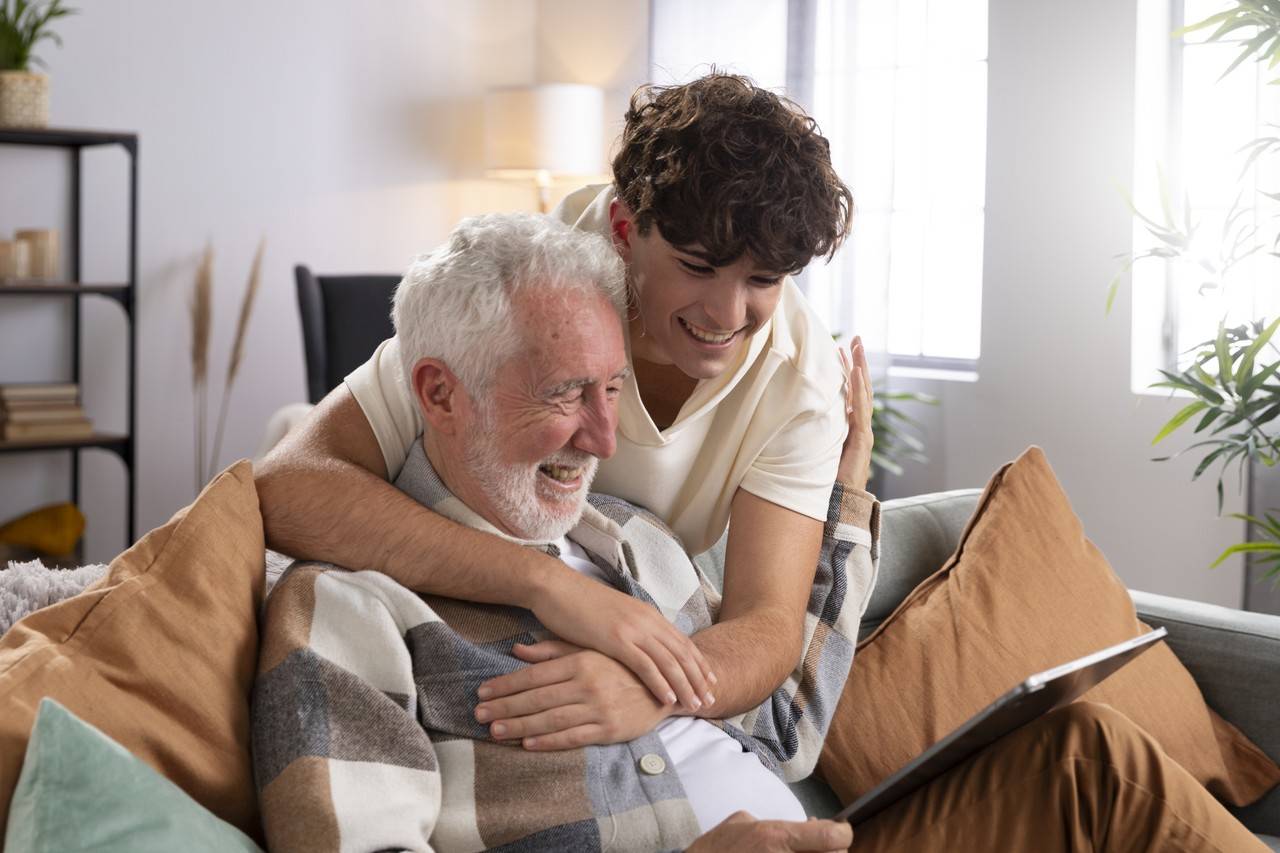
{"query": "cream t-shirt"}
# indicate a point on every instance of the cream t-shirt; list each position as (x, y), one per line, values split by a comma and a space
(773, 424)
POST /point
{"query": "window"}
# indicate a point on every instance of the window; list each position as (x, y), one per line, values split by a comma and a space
(1191, 127)
(899, 87)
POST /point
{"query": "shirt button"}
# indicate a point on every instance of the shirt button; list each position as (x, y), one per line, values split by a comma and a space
(653, 764)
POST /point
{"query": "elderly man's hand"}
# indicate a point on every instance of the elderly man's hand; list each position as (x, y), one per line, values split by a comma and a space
(741, 831)
(569, 697)
(595, 616)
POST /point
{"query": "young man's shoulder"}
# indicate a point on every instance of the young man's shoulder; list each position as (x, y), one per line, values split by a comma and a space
(586, 208)
(802, 342)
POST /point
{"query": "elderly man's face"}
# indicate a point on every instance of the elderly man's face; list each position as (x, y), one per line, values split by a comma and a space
(549, 416)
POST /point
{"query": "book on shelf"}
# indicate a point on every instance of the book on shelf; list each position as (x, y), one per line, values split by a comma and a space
(42, 391)
(26, 405)
(82, 428)
(55, 413)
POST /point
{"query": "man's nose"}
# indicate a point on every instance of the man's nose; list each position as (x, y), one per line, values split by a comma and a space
(597, 430)
(726, 305)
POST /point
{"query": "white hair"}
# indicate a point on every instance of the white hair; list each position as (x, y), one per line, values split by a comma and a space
(454, 304)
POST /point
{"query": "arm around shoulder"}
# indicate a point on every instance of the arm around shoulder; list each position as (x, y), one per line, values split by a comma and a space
(324, 497)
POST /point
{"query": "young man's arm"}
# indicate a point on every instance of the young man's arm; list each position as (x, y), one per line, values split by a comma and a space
(572, 697)
(760, 631)
(772, 557)
(324, 497)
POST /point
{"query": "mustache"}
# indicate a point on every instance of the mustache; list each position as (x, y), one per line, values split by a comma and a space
(571, 459)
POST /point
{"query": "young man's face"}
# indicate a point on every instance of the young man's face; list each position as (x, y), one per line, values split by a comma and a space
(691, 314)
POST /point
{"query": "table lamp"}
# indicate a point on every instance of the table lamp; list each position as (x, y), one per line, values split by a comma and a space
(536, 133)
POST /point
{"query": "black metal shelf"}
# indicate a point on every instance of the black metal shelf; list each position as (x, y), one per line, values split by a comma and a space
(65, 137)
(105, 440)
(30, 287)
(123, 445)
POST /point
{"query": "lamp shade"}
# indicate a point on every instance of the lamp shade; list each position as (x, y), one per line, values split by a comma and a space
(555, 129)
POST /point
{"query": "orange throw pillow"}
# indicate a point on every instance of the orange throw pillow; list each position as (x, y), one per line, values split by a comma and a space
(1024, 591)
(159, 654)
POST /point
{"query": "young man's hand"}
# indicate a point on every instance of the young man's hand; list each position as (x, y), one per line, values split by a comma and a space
(855, 459)
(740, 831)
(595, 616)
(569, 697)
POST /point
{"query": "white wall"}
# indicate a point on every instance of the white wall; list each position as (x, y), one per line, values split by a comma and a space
(347, 133)
(1054, 370)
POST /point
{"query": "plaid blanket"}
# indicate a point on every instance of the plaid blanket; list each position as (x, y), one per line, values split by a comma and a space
(363, 730)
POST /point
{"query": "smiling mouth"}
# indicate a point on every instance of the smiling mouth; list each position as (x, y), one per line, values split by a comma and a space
(563, 475)
(707, 336)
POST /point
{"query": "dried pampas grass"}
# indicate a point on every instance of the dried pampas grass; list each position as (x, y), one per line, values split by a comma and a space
(237, 348)
(201, 331)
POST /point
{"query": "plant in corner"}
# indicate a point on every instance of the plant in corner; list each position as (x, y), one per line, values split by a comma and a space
(24, 94)
(1232, 379)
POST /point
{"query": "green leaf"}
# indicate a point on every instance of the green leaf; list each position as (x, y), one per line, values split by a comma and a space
(1178, 420)
(1261, 340)
(1207, 22)
(1200, 387)
(1114, 287)
(1244, 548)
(1173, 380)
(1271, 526)
(1247, 51)
(1255, 382)
(1259, 147)
(1209, 417)
(1268, 416)
(1208, 460)
(1224, 358)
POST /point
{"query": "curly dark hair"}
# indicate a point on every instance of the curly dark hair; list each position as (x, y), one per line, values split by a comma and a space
(721, 163)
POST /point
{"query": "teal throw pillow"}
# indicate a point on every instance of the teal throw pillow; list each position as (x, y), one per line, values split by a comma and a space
(80, 790)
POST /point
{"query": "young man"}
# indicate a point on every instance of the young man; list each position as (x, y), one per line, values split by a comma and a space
(735, 410)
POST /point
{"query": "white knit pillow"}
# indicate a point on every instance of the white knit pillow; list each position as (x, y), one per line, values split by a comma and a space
(26, 587)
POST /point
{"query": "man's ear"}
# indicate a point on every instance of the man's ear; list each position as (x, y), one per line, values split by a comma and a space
(439, 395)
(621, 227)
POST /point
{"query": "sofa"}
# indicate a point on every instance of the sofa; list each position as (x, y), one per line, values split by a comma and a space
(1233, 655)
(209, 558)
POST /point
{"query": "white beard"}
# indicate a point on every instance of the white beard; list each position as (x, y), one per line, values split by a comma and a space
(527, 505)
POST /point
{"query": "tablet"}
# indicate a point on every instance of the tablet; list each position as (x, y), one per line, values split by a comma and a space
(1033, 698)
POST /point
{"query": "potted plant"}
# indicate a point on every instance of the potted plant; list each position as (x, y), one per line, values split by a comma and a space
(24, 94)
(1232, 381)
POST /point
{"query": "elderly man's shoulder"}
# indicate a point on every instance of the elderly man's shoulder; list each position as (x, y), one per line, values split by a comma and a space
(630, 517)
(651, 540)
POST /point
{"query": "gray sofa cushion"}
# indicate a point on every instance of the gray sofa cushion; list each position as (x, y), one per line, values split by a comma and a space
(917, 535)
(1234, 657)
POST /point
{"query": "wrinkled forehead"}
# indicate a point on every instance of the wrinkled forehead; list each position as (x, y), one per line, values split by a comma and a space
(567, 335)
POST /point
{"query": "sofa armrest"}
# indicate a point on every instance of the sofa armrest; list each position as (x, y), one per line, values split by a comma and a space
(1234, 657)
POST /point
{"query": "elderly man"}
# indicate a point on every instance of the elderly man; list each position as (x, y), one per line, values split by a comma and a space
(365, 732)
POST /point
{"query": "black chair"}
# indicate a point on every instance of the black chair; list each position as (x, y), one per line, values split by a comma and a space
(344, 318)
